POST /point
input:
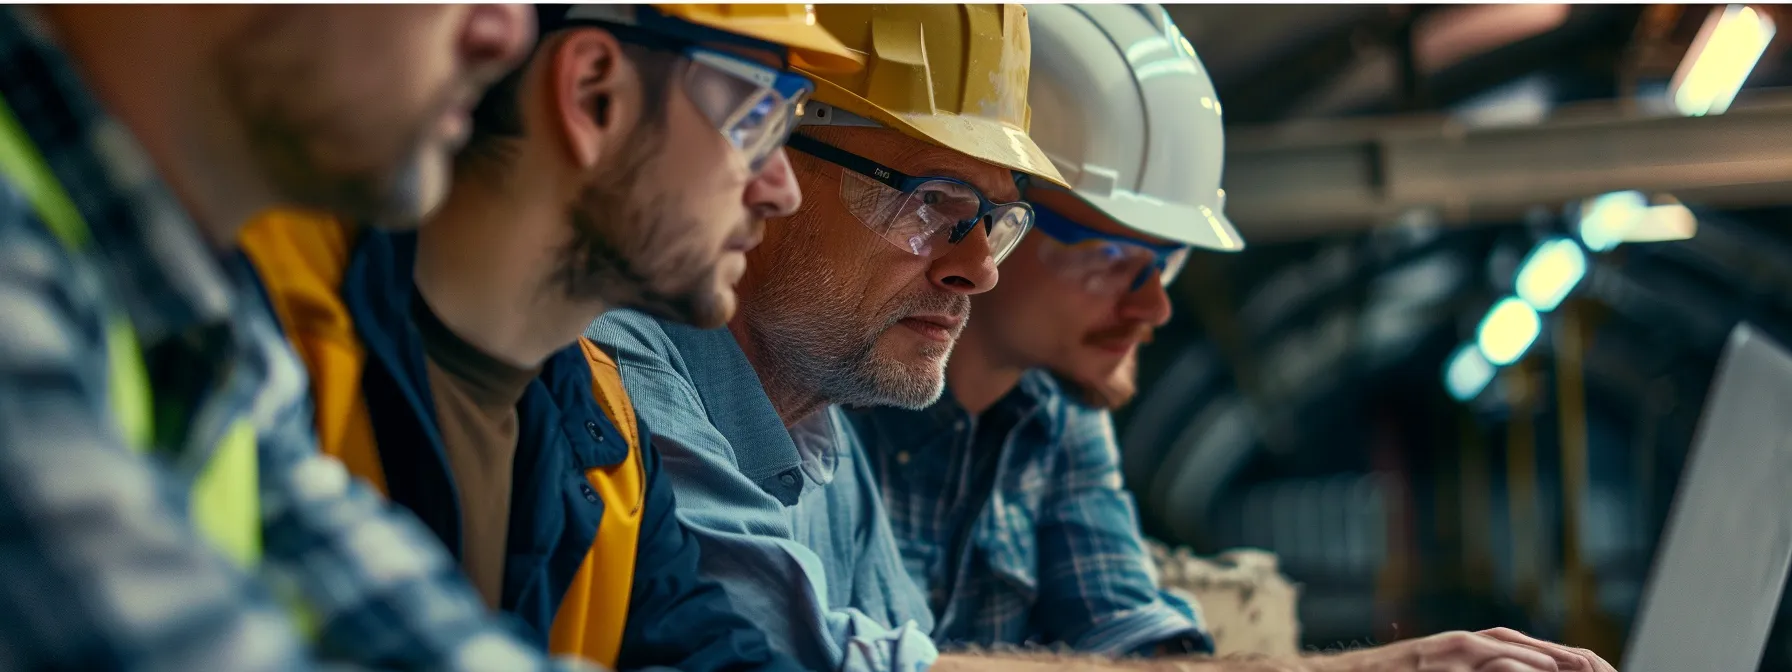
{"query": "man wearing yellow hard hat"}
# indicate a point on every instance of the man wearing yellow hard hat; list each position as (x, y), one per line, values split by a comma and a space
(908, 171)
(629, 163)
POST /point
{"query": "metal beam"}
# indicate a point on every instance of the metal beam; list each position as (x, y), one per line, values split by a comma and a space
(1309, 179)
(1273, 89)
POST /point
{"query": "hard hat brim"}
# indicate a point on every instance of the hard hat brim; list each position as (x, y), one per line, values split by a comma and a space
(1190, 225)
(812, 47)
(986, 140)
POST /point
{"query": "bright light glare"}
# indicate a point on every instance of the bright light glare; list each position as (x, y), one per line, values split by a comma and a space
(1671, 221)
(1604, 221)
(1467, 372)
(1720, 60)
(1509, 329)
(1551, 270)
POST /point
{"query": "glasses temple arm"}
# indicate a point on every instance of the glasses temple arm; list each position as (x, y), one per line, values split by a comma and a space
(848, 160)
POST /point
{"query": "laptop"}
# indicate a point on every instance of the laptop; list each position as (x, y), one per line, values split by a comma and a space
(1721, 566)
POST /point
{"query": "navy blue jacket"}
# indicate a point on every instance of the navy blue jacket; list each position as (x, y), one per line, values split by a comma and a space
(675, 617)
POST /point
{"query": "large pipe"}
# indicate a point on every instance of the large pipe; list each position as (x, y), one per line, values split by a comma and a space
(1307, 179)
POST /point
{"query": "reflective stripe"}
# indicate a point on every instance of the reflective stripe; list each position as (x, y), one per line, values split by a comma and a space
(131, 403)
(225, 501)
(25, 168)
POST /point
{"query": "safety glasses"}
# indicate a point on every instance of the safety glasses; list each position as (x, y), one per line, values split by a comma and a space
(1103, 263)
(921, 215)
(754, 106)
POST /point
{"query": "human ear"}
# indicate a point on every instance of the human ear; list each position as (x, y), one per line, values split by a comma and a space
(593, 88)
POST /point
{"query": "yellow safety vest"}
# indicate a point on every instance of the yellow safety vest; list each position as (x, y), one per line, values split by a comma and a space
(225, 500)
(302, 259)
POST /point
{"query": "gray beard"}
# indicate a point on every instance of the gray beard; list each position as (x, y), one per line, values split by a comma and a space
(807, 350)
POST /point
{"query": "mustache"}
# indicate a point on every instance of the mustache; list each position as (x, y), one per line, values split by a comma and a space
(752, 227)
(955, 305)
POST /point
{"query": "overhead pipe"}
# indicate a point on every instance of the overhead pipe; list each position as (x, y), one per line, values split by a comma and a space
(1310, 179)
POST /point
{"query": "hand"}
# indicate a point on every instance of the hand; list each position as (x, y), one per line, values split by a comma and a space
(1568, 659)
(1451, 652)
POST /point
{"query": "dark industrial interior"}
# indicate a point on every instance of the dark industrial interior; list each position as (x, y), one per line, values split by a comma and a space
(1392, 166)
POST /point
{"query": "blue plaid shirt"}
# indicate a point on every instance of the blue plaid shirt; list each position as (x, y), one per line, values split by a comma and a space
(100, 566)
(1017, 526)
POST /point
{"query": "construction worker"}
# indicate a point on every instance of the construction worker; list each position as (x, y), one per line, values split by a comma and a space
(1005, 495)
(907, 169)
(630, 162)
(162, 502)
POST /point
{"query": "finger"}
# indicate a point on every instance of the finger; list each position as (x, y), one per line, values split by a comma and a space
(1570, 659)
(1476, 650)
(1510, 665)
(1527, 658)
(1564, 657)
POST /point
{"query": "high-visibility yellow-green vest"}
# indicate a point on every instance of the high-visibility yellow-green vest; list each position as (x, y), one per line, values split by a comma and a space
(225, 500)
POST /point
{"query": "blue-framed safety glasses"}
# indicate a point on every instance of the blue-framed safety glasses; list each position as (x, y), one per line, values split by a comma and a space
(752, 104)
(1100, 262)
(921, 215)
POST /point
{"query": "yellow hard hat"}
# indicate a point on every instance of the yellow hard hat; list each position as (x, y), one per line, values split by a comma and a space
(794, 27)
(812, 47)
(952, 75)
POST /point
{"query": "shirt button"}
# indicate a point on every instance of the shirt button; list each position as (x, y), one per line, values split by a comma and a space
(788, 478)
(592, 431)
(590, 495)
(902, 457)
(958, 425)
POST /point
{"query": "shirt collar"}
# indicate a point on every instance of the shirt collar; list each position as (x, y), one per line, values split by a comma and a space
(819, 442)
(729, 388)
(165, 276)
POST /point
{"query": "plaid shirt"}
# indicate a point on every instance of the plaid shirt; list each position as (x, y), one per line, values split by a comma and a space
(102, 568)
(1053, 555)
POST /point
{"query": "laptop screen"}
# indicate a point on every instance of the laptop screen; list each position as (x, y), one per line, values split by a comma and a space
(1722, 562)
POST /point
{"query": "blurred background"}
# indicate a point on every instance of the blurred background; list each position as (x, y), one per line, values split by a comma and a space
(1495, 251)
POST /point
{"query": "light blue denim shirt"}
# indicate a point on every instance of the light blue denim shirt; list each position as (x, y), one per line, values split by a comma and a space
(790, 520)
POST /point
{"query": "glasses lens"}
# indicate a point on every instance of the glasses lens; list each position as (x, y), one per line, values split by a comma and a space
(919, 221)
(871, 202)
(1098, 266)
(1008, 224)
(754, 118)
(1173, 266)
(932, 210)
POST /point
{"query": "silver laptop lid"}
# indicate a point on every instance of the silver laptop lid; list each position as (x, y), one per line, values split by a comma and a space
(1722, 562)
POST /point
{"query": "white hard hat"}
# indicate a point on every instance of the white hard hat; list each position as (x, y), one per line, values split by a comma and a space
(1127, 113)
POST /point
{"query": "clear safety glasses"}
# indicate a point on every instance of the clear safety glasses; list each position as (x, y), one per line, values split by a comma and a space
(921, 215)
(755, 106)
(1102, 263)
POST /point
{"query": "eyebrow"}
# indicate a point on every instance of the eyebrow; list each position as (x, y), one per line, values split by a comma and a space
(1005, 188)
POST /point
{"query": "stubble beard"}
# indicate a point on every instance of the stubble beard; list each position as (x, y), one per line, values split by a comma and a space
(810, 343)
(287, 134)
(630, 250)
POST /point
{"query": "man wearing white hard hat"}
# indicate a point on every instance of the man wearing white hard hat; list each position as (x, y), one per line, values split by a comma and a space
(1005, 496)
